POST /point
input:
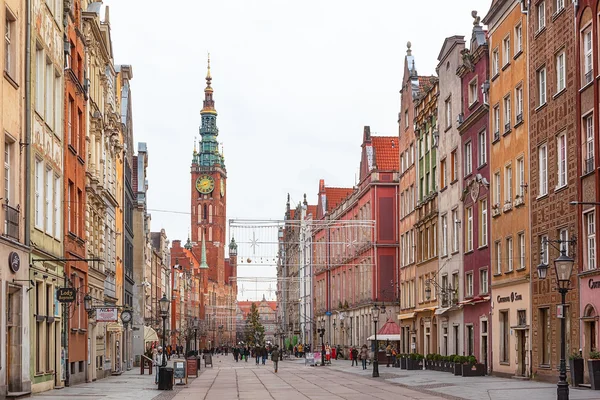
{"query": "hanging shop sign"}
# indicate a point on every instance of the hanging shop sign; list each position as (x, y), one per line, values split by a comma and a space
(14, 261)
(106, 314)
(509, 299)
(66, 295)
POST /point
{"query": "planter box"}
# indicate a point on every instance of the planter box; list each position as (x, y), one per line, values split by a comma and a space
(414, 365)
(429, 364)
(594, 371)
(396, 363)
(403, 362)
(473, 369)
(458, 369)
(576, 371)
(448, 366)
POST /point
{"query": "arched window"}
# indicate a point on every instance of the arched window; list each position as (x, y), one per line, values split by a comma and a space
(205, 214)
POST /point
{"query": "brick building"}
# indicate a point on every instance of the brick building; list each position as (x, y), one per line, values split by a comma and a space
(474, 137)
(355, 260)
(587, 128)
(553, 153)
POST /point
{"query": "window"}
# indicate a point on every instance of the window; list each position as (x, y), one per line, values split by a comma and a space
(39, 194)
(482, 148)
(443, 177)
(483, 224)
(545, 335)
(496, 122)
(508, 184)
(70, 209)
(518, 39)
(509, 254)
(455, 223)
(563, 236)
(70, 107)
(406, 118)
(558, 5)
(10, 44)
(412, 154)
(519, 104)
(541, 15)
(472, 91)
(507, 114)
(483, 281)
(469, 284)
(544, 249)
(561, 146)
(541, 82)
(49, 98)
(588, 126)
(57, 231)
(520, 177)
(444, 235)
(79, 213)
(543, 170)
(40, 65)
(7, 170)
(521, 250)
(48, 195)
(468, 159)
(590, 232)
(588, 56)
(469, 228)
(453, 166)
(495, 63)
(497, 189)
(448, 108)
(560, 72)
(498, 248)
(504, 339)
(506, 50)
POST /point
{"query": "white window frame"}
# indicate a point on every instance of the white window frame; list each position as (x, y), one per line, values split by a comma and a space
(590, 231)
(444, 235)
(508, 183)
(498, 248)
(496, 121)
(509, 254)
(495, 62)
(563, 236)
(482, 148)
(448, 111)
(561, 71)
(57, 201)
(40, 73)
(469, 284)
(518, 38)
(10, 43)
(473, 92)
(543, 170)
(558, 6)
(507, 113)
(561, 160)
(7, 171)
(49, 197)
(520, 189)
(506, 50)
(542, 86)
(455, 231)
(588, 55)
(519, 103)
(522, 245)
(588, 127)
(544, 249)
(469, 229)
(541, 15)
(483, 223)
(497, 189)
(468, 158)
(483, 281)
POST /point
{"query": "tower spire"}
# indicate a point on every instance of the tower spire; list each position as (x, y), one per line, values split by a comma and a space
(209, 103)
(203, 264)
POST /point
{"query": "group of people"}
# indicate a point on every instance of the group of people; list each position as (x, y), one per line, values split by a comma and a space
(301, 349)
(363, 355)
(259, 353)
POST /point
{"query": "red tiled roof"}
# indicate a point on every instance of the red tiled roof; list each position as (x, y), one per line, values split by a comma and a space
(389, 328)
(192, 258)
(312, 210)
(386, 153)
(335, 196)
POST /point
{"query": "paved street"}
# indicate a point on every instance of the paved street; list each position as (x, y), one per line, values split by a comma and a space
(230, 380)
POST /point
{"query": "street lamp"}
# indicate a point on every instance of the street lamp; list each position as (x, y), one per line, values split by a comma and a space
(321, 332)
(195, 323)
(563, 267)
(164, 312)
(375, 315)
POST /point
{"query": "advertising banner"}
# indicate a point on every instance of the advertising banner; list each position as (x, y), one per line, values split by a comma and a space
(106, 314)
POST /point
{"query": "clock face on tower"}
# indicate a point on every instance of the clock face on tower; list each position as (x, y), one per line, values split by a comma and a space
(205, 184)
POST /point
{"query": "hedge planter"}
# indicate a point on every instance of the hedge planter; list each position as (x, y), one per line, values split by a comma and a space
(473, 369)
(458, 367)
(576, 371)
(414, 365)
(448, 366)
(594, 371)
(403, 362)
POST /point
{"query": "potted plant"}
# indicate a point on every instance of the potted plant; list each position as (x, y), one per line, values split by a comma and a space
(429, 361)
(594, 369)
(472, 368)
(458, 363)
(415, 362)
(576, 368)
(403, 360)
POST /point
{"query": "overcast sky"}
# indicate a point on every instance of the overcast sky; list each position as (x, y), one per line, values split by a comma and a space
(294, 84)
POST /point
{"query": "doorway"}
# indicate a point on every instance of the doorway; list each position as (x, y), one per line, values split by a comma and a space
(14, 339)
(521, 353)
(590, 335)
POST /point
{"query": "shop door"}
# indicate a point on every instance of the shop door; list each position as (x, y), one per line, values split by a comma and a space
(13, 339)
(521, 353)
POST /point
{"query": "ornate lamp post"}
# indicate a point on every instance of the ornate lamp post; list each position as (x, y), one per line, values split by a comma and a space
(195, 324)
(164, 313)
(375, 315)
(321, 332)
(563, 267)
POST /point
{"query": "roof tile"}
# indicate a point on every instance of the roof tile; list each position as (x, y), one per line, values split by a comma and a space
(386, 153)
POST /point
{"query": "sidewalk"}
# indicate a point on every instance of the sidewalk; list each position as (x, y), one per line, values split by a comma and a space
(471, 388)
(130, 385)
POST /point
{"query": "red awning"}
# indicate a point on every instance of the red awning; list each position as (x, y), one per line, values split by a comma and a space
(389, 328)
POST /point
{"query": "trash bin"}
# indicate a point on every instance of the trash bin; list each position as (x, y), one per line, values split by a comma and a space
(198, 362)
(165, 378)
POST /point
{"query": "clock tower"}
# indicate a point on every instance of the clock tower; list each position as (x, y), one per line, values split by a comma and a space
(209, 181)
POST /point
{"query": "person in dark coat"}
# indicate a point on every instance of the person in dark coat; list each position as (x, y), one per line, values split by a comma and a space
(275, 358)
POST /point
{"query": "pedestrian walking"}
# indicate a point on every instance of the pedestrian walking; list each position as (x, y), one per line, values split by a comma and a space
(275, 358)
(159, 361)
(264, 354)
(257, 354)
(354, 356)
(364, 354)
(388, 354)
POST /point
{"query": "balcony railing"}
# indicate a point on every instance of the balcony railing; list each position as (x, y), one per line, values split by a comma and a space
(11, 221)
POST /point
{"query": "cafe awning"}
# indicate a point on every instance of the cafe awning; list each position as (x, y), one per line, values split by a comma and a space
(384, 337)
(150, 335)
(409, 315)
(425, 309)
